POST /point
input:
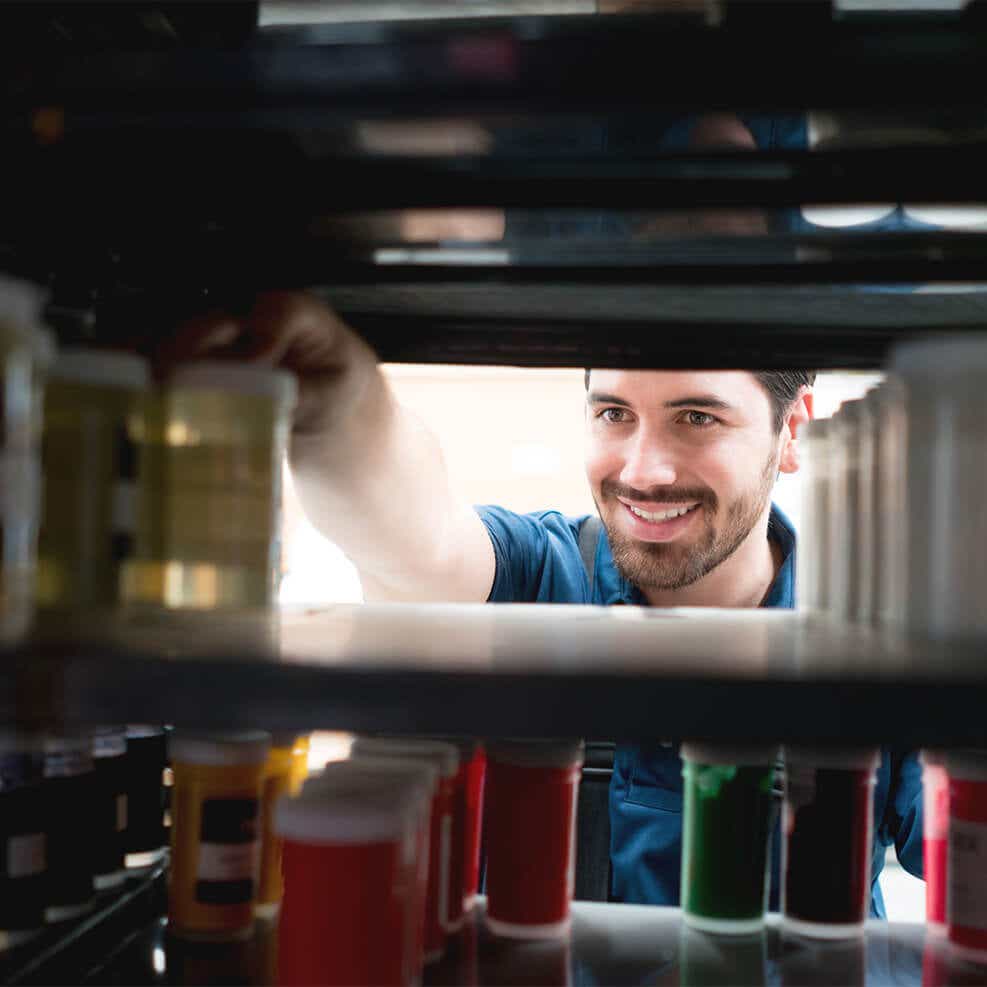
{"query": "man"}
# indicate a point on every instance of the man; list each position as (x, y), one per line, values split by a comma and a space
(681, 466)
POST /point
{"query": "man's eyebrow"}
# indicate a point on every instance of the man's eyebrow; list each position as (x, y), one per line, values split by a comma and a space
(700, 401)
(599, 397)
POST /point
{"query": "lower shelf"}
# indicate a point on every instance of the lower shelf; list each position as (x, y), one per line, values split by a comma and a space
(609, 944)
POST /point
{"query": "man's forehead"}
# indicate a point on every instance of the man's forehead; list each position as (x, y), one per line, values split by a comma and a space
(738, 387)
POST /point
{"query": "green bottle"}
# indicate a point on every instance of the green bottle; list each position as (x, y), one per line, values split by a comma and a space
(727, 818)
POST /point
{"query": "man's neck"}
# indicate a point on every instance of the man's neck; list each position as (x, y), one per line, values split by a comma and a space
(743, 580)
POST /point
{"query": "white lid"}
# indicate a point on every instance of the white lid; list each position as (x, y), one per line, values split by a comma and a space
(144, 730)
(932, 757)
(836, 758)
(219, 748)
(466, 746)
(967, 765)
(20, 311)
(444, 756)
(743, 756)
(852, 410)
(101, 368)
(949, 353)
(419, 772)
(243, 378)
(321, 814)
(536, 753)
(395, 779)
(80, 743)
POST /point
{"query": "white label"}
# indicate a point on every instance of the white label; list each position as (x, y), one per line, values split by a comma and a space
(121, 813)
(227, 861)
(445, 847)
(26, 855)
(966, 889)
(123, 518)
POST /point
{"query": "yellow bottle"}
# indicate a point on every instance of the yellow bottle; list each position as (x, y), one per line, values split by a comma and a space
(94, 405)
(215, 832)
(284, 774)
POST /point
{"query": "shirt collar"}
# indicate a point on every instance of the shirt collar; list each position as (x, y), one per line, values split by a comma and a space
(614, 589)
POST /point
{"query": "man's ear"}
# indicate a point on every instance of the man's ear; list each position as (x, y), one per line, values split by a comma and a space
(799, 415)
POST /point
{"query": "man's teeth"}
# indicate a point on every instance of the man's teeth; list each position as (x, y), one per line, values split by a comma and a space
(662, 515)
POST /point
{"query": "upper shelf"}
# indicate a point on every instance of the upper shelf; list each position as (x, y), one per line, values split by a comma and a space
(523, 670)
(775, 59)
(569, 217)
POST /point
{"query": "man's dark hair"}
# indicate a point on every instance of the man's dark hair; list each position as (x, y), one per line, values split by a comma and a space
(783, 387)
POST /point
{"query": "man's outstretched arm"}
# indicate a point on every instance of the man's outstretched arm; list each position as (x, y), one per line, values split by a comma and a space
(370, 475)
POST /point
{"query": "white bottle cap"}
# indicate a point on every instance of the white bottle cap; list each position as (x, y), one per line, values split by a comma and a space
(967, 765)
(745, 756)
(20, 312)
(101, 368)
(241, 378)
(336, 813)
(948, 353)
(536, 753)
(219, 749)
(402, 779)
(835, 758)
(444, 756)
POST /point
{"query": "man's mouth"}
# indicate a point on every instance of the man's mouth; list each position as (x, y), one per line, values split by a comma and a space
(656, 517)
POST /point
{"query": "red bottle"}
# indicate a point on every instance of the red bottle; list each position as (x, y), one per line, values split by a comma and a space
(348, 862)
(532, 788)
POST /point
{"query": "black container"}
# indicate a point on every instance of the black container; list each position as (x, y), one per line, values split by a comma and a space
(110, 798)
(23, 857)
(828, 825)
(69, 785)
(144, 764)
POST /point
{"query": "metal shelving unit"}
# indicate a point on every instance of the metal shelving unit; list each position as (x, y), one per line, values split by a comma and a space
(521, 670)
(161, 163)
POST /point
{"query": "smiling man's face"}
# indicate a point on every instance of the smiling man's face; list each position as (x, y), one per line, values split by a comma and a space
(681, 466)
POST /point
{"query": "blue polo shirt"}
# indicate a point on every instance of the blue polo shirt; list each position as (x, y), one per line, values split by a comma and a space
(538, 561)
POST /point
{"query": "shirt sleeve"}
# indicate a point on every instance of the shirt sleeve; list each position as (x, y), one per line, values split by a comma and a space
(537, 557)
(902, 823)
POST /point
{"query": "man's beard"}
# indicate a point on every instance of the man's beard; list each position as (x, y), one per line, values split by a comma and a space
(669, 565)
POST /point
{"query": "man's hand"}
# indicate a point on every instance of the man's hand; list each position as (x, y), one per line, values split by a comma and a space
(370, 476)
(292, 331)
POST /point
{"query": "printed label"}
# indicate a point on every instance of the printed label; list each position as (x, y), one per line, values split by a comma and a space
(121, 812)
(966, 891)
(26, 855)
(228, 852)
(445, 845)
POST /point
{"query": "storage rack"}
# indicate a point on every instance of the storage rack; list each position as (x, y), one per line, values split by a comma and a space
(151, 172)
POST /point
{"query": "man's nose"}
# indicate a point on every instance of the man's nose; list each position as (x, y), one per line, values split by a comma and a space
(648, 464)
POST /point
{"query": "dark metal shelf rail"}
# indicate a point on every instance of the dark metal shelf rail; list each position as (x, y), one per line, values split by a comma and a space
(542, 64)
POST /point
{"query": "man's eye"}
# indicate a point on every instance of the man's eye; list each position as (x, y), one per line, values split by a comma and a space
(615, 416)
(699, 418)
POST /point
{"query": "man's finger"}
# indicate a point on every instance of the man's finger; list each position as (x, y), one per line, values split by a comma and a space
(201, 336)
